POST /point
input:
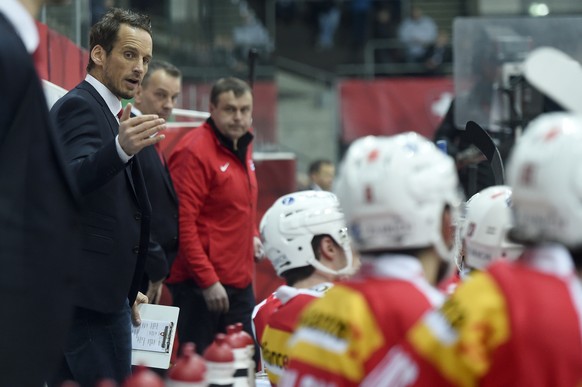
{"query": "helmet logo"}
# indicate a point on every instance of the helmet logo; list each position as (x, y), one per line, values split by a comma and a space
(373, 155)
(288, 201)
(552, 133)
(412, 147)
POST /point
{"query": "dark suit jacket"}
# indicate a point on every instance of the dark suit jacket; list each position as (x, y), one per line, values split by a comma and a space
(37, 222)
(164, 226)
(115, 209)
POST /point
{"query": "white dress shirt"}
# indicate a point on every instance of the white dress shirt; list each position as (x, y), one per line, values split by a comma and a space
(114, 105)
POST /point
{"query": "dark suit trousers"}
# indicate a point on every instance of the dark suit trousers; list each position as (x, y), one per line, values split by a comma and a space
(98, 347)
(198, 325)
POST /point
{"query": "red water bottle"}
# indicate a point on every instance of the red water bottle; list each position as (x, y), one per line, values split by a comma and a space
(219, 363)
(143, 377)
(189, 370)
(249, 343)
(241, 356)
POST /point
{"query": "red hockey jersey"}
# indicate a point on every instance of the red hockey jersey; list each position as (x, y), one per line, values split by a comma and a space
(281, 325)
(343, 335)
(513, 325)
(261, 314)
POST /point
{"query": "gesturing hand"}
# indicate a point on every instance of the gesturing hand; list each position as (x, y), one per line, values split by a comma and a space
(216, 298)
(135, 133)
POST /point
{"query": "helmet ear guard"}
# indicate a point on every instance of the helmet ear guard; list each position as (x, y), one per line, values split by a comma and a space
(394, 191)
(545, 173)
(291, 223)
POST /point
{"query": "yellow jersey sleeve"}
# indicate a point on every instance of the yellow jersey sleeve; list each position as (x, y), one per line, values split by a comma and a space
(274, 349)
(458, 340)
(335, 336)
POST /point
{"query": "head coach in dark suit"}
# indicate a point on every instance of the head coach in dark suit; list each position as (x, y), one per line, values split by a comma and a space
(115, 209)
(37, 211)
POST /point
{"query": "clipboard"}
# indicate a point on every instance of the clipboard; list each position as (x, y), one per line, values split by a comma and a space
(153, 340)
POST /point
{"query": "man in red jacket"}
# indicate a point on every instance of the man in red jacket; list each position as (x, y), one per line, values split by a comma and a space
(214, 178)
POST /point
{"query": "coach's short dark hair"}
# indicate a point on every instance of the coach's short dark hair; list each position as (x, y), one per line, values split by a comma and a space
(104, 32)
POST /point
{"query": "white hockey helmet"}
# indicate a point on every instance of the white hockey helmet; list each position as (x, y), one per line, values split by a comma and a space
(289, 225)
(545, 174)
(487, 221)
(394, 190)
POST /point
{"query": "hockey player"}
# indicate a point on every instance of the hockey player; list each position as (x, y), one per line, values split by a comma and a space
(306, 239)
(487, 223)
(514, 324)
(483, 234)
(399, 194)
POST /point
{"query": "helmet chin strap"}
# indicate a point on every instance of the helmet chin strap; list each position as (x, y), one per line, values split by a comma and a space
(348, 269)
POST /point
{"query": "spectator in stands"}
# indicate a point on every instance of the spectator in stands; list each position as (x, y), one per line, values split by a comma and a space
(101, 142)
(385, 29)
(328, 18)
(37, 210)
(251, 34)
(360, 16)
(417, 33)
(214, 177)
(437, 54)
(158, 94)
(321, 174)
(223, 53)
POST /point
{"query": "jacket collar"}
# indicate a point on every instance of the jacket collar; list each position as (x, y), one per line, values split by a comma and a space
(243, 142)
(551, 259)
(113, 103)
(22, 23)
(405, 268)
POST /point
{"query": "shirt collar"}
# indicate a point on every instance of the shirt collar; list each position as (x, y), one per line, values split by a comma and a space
(551, 259)
(285, 293)
(405, 268)
(113, 103)
(22, 22)
(397, 266)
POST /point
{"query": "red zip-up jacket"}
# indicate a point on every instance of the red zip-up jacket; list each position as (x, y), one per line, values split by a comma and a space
(218, 202)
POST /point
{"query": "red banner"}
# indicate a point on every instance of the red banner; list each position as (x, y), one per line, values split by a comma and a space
(392, 105)
(276, 177)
